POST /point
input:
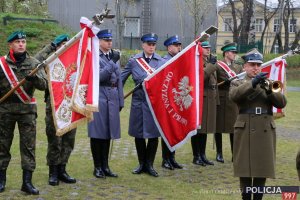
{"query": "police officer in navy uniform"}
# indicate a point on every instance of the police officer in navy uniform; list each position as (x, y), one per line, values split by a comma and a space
(106, 124)
(210, 102)
(141, 122)
(168, 158)
(254, 147)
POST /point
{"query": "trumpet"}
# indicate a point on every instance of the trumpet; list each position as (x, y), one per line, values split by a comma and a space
(272, 86)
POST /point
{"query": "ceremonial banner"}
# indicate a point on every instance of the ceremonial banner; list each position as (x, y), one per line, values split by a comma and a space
(175, 96)
(276, 70)
(86, 92)
(61, 80)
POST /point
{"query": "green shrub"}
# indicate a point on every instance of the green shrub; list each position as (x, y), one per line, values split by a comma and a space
(292, 61)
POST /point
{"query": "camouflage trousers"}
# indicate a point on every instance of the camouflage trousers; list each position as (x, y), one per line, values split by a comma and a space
(59, 147)
(27, 131)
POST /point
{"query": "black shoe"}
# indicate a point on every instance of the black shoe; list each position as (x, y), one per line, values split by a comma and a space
(109, 173)
(219, 157)
(198, 161)
(64, 176)
(27, 184)
(151, 171)
(204, 159)
(98, 173)
(167, 164)
(139, 169)
(2, 180)
(53, 175)
(175, 164)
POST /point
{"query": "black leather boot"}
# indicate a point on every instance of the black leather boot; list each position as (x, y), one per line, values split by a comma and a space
(104, 159)
(140, 145)
(27, 184)
(150, 156)
(64, 176)
(166, 155)
(174, 163)
(96, 153)
(2, 180)
(231, 145)
(53, 175)
(202, 140)
(196, 151)
(218, 139)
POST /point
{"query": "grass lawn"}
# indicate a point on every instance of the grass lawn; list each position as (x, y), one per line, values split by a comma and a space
(192, 182)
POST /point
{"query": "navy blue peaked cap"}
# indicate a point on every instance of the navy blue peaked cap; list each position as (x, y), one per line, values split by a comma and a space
(172, 40)
(150, 37)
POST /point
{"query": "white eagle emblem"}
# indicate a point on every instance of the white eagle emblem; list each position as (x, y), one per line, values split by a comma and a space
(182, 97)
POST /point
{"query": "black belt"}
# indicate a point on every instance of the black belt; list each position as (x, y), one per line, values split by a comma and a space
(108, 84)
(257, 111)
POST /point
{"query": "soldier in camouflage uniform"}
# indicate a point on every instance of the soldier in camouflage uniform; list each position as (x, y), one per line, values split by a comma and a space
(19, 108)
(59, 147)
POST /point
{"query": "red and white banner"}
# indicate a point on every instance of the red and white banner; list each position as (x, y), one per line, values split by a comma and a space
(175, 96)
(86, 92)
(277, 72)
(74, 79)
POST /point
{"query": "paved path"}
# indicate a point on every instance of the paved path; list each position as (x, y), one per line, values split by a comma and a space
(293, 89)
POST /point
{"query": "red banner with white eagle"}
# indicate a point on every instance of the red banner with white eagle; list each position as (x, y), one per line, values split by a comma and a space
(277, 72)
(174, 93)
(74, 80)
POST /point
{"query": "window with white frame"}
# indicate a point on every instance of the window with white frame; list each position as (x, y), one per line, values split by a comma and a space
(227, 24)
(132, 27)
(259, 25)
(292, 25)
(276, 25)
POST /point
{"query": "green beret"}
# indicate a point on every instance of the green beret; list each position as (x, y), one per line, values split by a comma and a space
(61, 38)
(16, 35)
(229, 46)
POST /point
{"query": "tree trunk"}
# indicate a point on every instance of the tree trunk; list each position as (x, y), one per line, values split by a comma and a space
(246, 21)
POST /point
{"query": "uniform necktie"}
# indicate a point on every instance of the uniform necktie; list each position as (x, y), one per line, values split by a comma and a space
(147, 60)
(107, 56)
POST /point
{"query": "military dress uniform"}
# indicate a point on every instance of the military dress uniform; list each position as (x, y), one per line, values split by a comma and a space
(59, 147)
(254, 150)
(141, 122)
(168, 157)
(13, 110)
(227, 110)
(210, 102)
(106, 123)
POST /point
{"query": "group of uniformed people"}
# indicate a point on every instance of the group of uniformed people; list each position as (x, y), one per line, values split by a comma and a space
(241, 108)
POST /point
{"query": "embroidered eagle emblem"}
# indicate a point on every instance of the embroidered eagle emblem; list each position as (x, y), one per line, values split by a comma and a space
(182, 97)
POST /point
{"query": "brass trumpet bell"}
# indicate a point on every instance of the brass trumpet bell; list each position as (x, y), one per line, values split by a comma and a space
(270, 85)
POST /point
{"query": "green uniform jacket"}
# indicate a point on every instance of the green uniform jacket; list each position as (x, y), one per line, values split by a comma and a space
(227, 110)
(24, 69)
(210, 99)
(254, 147)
